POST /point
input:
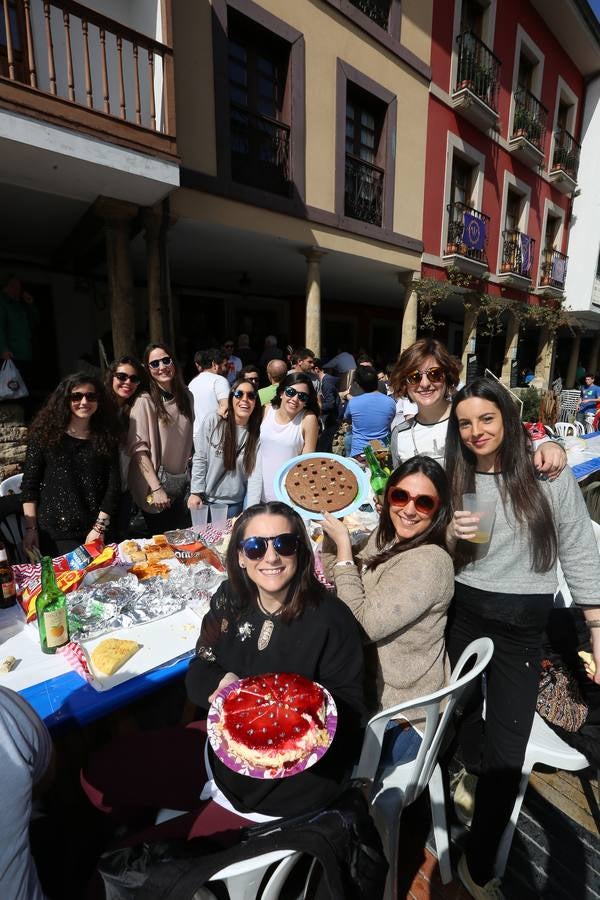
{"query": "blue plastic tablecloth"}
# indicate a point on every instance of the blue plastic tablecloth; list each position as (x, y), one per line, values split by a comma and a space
(582, 470)
(69, 700)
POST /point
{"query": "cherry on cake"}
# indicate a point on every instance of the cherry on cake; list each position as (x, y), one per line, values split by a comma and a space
(275, 720)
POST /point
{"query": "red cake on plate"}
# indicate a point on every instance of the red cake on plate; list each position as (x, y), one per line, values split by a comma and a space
(275, 720)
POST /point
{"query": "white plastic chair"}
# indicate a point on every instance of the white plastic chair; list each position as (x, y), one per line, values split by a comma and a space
(568, 404)
(564, 429)
(11, 485)
(547, 748)
(400, 785)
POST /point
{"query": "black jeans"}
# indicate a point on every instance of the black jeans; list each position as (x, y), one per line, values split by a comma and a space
(494, 749)
(177, 515)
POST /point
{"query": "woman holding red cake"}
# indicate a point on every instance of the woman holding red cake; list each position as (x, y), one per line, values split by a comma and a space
(271, 616)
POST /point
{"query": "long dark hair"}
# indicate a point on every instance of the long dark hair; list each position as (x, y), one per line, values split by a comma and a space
(435, 533)
(292, 379)
(51, 422)
(139, 370)
(516, 476)
(180, 392)
(305, 589)
(228, 433)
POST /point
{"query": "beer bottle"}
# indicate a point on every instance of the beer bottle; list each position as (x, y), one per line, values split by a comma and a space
(51, 610)
(8, 591)
(378, 477)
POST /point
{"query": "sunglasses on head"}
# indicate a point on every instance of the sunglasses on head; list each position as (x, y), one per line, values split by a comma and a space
(434, 375)
(424, 504)
(292, 392)
(123, 377)
(251, 395)
(78, 396)
(256, 547)
(163, 361)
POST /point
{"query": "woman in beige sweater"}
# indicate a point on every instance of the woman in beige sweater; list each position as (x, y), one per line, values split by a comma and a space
(399, 585)
(160, 443)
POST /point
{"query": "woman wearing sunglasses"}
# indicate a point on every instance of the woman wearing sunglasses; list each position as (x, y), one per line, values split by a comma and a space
(160, 443)
(272, 615)
(71, 484)
(226, 462)
(399, 584)
(290, 426)
(125, 379)
(504, 590)
(428, 375)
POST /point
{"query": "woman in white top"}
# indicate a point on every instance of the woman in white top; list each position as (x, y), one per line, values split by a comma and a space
(428, 375)
(290, 426)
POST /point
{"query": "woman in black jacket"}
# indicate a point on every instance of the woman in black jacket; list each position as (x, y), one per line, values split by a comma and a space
(70, 485)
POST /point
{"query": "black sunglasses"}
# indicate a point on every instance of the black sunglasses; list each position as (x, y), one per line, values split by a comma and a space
(303, 397)
(256, 547)
(424, 503)
(123, 377)
(434, 375)
(164, 361)
(251, 395)
(78, 396)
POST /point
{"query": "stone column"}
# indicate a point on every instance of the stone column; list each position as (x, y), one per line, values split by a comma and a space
(410, 315)
(469, 341)
(117, 217)
(152, 221)
(313, 299)
(510, 348)
(545, 355)
(593, 360)
(573, 360)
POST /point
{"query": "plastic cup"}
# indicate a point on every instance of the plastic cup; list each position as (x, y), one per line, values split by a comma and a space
(199, 516)
(218, 514)
(486, 510)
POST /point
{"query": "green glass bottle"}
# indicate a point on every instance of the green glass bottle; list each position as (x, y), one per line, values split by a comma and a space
(51, 610)
(378, 477)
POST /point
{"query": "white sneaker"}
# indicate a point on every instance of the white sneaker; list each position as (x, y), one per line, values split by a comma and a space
(464, 797)
(491, 890)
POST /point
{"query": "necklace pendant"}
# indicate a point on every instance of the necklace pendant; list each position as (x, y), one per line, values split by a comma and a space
(266, 631)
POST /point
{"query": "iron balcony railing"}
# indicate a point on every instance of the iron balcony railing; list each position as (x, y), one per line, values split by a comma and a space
(260, 150)
(566, 153)
(76, 54)
(517, 253)
(467, 232)
(478, 69)
(377, 10)
(530, 118)
(363, 197)
(553, 268)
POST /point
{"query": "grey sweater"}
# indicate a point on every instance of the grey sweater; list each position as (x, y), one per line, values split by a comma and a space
(504, 565)
(208, 472)
(401, 606)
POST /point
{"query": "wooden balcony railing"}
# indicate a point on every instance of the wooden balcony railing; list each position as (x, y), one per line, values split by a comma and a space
(517, 253)
(59, 55)
(377, 10)
(530, 118)
(363, 192)
(566, 153)
(553, 269)
(260, 150)
(478, 69)
(467, 232)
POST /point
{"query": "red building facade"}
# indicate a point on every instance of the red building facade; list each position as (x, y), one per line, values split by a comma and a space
(506, 101)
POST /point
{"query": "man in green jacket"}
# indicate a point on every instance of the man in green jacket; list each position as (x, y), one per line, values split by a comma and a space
(18, 316)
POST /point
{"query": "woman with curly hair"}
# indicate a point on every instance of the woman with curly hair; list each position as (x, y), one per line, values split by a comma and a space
(160, 443)
(226, 463)
(290, 426)
(70, 485)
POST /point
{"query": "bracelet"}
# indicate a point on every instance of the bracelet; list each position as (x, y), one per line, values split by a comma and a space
(344, 563)
(159, 488)
(592, 623)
